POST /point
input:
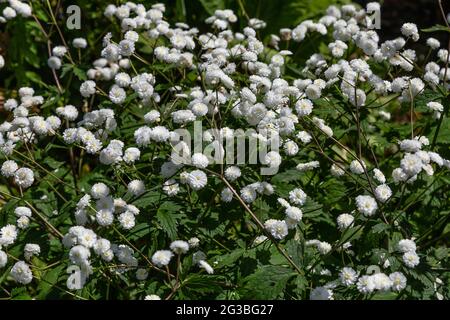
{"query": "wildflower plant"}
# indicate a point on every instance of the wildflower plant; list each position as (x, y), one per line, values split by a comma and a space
(211, 162)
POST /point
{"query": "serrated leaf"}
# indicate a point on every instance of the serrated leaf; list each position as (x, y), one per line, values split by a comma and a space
(268, 282)
(166, 216)
(380, 227)
(48, 280)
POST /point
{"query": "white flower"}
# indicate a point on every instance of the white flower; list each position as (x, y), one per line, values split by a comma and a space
(79, 43)
(379, 176)
(199, 109)
(183, 116)
(132, 36)
(152, 116)
(383, 192)
(205, 265)
(336, 170)
(232, 173)
(411, 259)
(199, 160)
(307, 166)
(131, 155)
(365, 284)
(117, 94)
(22, 211)
(406, 245)
(321, 293)
(87, 238)
(24, 177)
(294, 214)
(141, 274)
(410, 145)
(87, 88)
(248, 194)
(126, 47)
(101, 246)
(259, 239)
(411, 164)
(10, 104)
(272, 159)
(277, 228)
(122, 79)
(436, 158)
(127, 220)
(348, 276)
(398, 281)
(21, 273)
(193, 242)
(313, 91)
(410, 30)
(381, 282)
(59, 51)
(40, 126)
(30, 250)
(9, 13)
(366, 205)
(303, 107)
(291, 148)
(356, 167)
(2, 62)
(8, 235)
(179, 246)
(433, 43)
(3, 259)
(399, 175)
(162, 258)
(197, 179)
(152, 297)
(8, 168)
(79, 254)
(159, 134)
(171, 187)
(54, 63)
(226, 195)
(297, 196)
(23, 222)
(435, 106)
(136, 187)
(104, 217)
(344, 221)
(323, 247)
(99, 190)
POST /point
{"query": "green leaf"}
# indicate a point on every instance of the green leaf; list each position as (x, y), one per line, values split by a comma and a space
(167, 217)
(226, 260)
(268, 282)
(48, 280)
(80, 74)
(212, 5)
(295, 251)
(380, 227)
(201, 284)
(20, 294)
(436, 28)
(385, 296)
(52, 163)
